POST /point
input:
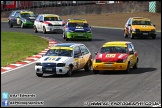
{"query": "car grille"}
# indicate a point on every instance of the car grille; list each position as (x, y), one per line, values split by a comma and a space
(49, 65)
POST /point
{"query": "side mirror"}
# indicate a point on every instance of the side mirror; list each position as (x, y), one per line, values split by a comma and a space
(96, 53)
(154, 25)
(129, 24)
(131, 52)
(41, 20)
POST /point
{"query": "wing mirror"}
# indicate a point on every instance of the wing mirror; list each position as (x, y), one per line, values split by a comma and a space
(129, 24)
(96, 53)
(154, 25)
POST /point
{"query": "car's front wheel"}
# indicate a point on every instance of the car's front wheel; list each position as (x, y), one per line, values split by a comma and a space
(95, 71)
(128, 69)
(132, 36)
(63, 35)
(69, 73)
(10, 24)
(22, 25)
(154, 37)
(125, 35)
(35, 29)
(44, 30)
(39, 74)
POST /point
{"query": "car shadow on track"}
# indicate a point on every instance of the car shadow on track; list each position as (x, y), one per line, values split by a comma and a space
(132, 71)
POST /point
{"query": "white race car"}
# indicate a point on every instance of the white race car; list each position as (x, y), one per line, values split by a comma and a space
(63, 59)
(48, 23)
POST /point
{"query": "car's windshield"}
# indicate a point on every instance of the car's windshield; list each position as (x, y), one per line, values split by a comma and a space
(78, 24)
(27, 15)
(52, 19)
(113, 49)
(141, 22)
(59, 52)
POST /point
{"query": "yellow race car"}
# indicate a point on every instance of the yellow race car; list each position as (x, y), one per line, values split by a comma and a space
(139, 27)
(115, 55)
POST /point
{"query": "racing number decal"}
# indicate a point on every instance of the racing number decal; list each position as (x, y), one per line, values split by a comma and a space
(48, 59)
(110, 55)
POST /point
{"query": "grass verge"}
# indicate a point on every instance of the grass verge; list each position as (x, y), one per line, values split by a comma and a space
(16, 46)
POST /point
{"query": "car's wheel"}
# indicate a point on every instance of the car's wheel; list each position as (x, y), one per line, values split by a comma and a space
(125, 35)
(154, 37)
(44, 30)
(10, 24)
(63, 35)
(22, 25)
(89, 39)
(128, 69)
(88, 65)
(132, 36)
(135, 65)
(95, 71)
(39, 74)
(35, 29)
(66, 38)
(69, 73)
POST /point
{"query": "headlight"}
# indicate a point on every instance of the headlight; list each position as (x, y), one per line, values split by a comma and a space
(38, 64)
(71, 31)
(88, 31)
(136, 30)
(98, 61)
(50, 25)
(61, 64)
(122, 60)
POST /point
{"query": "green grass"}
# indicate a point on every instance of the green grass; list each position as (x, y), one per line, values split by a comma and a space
(16, 46)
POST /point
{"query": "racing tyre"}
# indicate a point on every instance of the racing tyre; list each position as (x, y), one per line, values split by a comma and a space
(35, 29)
(39, 74)
(10, 24)
(63, 35)
(135, 65)
(154, 37)
(132, 36)
(22, 25)
(125, 35)
(88, 65)
(69, 73)
(128, 69)
(95, 71)
(89, 39)
(66, 38)
(44, 30)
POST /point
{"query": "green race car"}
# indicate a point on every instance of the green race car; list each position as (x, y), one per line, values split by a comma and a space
(77, 29)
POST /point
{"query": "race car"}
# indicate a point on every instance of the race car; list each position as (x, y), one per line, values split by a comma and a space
(48, 23)
(22, 18)
(64, 58)
(77, 29)
(117, 56)
(139, 27)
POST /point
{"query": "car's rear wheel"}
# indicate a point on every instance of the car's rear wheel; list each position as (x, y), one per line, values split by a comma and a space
(125, 35)
(35, 29)
(95, 71)
(44, 30)
(39, 74)
(132, 36)
(10, 24)
(88, 65)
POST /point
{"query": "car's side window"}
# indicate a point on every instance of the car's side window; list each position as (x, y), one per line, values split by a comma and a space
(84, 50)
(38, 17)
(13, 13)
(41, 18)
(132, 47)
(129, 22)
(77, 51)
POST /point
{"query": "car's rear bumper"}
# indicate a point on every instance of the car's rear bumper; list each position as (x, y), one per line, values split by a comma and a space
(79, 35)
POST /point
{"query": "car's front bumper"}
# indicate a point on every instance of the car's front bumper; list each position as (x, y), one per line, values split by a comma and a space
(54, 28)
(144, 34)
(109, 66)
(79, 35)
(51, 70)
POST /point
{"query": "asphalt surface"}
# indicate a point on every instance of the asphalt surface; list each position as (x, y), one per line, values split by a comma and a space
(82, 88)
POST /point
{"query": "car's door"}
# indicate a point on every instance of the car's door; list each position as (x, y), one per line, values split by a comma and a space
(132, 55)
(40, 23)
(85, 53)
(78, 58)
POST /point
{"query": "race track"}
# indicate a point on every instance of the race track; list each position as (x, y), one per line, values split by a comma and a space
(83, 88)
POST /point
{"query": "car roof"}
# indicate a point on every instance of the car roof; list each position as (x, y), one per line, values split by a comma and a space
(49, 15)
(140, 18)
(116, 43)
(77, 20)
(66, 45)
(22, 11)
